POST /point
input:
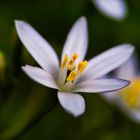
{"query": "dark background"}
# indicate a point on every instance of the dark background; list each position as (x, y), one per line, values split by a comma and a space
(29, 111)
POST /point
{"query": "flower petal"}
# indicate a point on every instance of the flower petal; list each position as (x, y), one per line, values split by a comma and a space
(107, 61)
(40, 49)
(128, 70)
(131, 113)
(101, 85)
(40, 76)
(115, 9)
(111, 97)
(135, 115)
(72, 103)
(77, 40)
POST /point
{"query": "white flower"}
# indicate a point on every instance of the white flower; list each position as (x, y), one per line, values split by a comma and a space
(128, 99)
(73, 75)
(115, 9)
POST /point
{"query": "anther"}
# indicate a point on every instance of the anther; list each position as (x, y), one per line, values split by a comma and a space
(75, 56)
(64, 62)
(72, 76)
(71, 65)
(82, 65)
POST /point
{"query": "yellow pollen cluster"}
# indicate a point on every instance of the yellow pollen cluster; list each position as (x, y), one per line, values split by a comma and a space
(71, 64)
(82, 65)
(131, 95)
(72, 76)
(65, 60)
(72, 70)
(75, 56)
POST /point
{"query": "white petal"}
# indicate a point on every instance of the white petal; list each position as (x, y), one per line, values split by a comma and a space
(77, 40)
(110, 96)
(112, 8)
(40, 76)
(101, 85)
(107, 61)
(72, 103)
(133, 114)
(125, 71)
(128, 70)
(40, 49)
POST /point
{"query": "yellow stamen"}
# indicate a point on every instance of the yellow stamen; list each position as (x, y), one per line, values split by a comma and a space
(65, 60)
(75, 56)
(72, 76)
(72, 69)
(70, 62)
(82, 65)
(71, 65)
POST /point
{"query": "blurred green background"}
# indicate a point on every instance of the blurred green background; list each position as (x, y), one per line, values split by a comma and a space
(29, 111)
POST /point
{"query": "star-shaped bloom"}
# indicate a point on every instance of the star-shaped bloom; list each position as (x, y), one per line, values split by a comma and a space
(74, 74)
(115, 9)
(128, 99)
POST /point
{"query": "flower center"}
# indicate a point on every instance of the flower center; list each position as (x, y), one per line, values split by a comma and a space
(73, 71)
(70, 70)
(131, 95)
